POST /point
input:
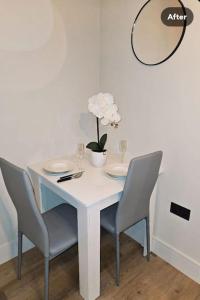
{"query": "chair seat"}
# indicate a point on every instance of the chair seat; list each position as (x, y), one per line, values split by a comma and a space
(61, 223)
(108, 218)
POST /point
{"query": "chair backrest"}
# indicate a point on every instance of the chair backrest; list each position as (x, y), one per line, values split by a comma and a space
(30, 221)
(142, 176)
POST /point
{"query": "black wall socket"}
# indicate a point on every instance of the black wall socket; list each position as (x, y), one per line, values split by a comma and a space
(180, 211)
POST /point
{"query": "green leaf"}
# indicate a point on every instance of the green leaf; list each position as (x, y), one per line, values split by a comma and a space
(103, 141)
(94, 146)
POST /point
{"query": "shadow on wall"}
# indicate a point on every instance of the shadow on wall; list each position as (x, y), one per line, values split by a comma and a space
(32, 54)
(87, 124)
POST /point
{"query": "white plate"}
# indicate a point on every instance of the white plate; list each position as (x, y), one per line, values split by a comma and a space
(117, 169)
(58, 166)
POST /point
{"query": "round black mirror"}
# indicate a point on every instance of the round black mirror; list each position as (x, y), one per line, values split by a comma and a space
(153, 42)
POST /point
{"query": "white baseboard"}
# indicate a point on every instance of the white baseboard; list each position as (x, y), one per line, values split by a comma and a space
(9, 250)
(177, 259)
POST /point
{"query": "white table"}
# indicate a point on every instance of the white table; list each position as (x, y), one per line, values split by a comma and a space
(90, 194)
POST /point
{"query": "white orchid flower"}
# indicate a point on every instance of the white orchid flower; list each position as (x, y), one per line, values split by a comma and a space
(105, 122)
(104, 108)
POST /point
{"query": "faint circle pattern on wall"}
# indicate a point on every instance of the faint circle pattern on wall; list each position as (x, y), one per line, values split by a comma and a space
(35, 69)
(25, 24)
(152, 41)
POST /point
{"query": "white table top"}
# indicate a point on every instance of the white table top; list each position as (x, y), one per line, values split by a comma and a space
(90, 189)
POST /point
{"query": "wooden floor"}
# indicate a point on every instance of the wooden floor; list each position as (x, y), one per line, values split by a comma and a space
(140, 280)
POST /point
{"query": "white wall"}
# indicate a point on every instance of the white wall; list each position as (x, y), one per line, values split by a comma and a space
(49, 57)
(161, 110)
(46, 76)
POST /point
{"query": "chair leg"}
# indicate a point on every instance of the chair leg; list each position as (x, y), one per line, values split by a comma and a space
(19, 260)
(46, 279)
(148, 238)
(117, 241)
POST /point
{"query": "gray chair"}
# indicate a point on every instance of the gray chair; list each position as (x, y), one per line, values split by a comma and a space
(52, 232)
(134, 204)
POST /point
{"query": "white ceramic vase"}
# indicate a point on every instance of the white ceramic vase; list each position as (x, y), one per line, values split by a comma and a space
(98, 159)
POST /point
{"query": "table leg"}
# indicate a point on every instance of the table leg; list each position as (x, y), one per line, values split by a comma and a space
(89, 252)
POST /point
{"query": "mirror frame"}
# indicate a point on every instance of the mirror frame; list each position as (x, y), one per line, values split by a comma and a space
(177, 46)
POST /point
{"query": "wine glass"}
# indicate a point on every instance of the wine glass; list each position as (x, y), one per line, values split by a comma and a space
(123, 149)
(80, 154)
